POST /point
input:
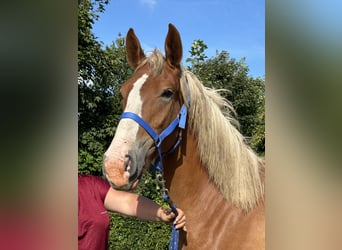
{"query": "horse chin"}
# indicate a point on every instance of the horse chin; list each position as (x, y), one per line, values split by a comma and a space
(128, 187)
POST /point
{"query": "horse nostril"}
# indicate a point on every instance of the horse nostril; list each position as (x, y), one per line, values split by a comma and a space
(128, 162)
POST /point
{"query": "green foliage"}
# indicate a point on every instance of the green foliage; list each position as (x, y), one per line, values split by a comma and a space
(257, 141)
(89, 49)
(131, 233)
(244, 92)
(100, 73)
(197, 54)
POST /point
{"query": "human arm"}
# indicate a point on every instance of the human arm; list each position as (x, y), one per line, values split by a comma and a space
(132, 204)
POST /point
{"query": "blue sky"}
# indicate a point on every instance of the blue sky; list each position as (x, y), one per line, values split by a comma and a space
(237, 26)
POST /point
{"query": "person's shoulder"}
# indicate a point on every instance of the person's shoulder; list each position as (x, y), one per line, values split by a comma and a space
(87, 176)
(93, 180)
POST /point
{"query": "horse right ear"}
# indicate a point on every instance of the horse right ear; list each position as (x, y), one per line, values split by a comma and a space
(173, 47)
(135, 54)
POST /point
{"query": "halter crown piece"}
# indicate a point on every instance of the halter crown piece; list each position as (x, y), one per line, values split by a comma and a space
(180, 122)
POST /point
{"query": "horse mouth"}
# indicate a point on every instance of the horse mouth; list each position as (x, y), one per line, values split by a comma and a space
(133, 164)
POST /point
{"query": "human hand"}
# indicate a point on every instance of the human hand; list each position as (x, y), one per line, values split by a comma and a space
(166, 215)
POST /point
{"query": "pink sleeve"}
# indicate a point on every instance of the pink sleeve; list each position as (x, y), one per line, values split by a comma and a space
(93, 219)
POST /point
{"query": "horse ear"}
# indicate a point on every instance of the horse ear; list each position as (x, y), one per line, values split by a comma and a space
(173, 47)
(135, 54)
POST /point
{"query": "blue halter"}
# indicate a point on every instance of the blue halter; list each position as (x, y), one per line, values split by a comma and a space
(179, 122)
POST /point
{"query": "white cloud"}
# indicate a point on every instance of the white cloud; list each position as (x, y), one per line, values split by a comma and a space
(149, 3)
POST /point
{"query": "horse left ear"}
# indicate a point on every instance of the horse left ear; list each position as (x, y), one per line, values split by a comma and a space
(135, 54)
(173, 47)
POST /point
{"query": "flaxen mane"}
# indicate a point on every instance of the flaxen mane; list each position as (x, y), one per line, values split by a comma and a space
(232, 165)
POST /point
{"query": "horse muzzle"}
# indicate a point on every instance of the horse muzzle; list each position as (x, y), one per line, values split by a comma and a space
(124, 170)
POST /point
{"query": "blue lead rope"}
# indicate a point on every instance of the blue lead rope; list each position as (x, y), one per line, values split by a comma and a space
(173, 245)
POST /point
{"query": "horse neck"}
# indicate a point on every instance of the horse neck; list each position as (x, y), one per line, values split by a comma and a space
(205, 207)
(185, 177)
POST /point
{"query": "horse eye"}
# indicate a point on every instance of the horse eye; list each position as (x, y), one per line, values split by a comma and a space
(167, 93)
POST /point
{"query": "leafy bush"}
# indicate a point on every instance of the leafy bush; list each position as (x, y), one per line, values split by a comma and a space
(131, 233)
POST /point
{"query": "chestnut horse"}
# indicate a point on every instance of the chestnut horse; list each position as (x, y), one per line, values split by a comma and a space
(211, 174)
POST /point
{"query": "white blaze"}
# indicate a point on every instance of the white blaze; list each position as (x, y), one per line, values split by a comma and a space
(127, 129)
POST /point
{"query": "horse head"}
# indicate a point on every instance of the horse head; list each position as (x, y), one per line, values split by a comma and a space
(151, 101)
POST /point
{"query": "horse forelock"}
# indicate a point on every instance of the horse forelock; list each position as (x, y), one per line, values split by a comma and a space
(232, 166)
(155, 62)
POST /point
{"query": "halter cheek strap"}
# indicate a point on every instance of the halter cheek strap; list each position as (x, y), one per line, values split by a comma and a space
(179, 122)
